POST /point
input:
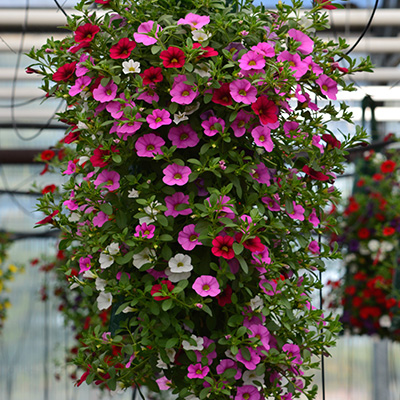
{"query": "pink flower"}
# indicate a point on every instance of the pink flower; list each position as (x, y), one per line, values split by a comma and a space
(143, 29)
(103, 94)
(228, 364)
(262, 333)
(262, 137)
(116, 109)
(243, 92)
(314, 247)
(149, 95)
(271, 288)
(187, 237)
(272, 204)
(183, 136)
(295, 62)
(176, 174)
(328, 86)
(181, 92)
(247, 392)
(262, 174)
(306, 43)
(174, 201)
(158, 118)
(206, 285)
(209, 126)
(80, 84)
(291, 129)
(163, 383)
(71, 168)
(197, 371)
(293, 351)
(144, 231)
(239, 124)
(100, 219)
(111, 178)
(251, 60)
(194, 20)
(251, 363)
(84, 263)
(316, 142)
(313, 218)
(128, 128)
(298, 212)
(265, 49)
(149, 145)
(261, 257)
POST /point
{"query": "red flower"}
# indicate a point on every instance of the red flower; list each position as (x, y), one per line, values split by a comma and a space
(377, 177)
(207, 51)
(357, 301)
(361, 183)
(222, 95)
(326, 4)
(152, 75)
(98, 157)
(158, 288)
(317, 175)
(48, 219)
(252, 244)
(122, 49)
(266, 110)
(390, 302)
(64, 72)
(86, 33)
(330, 139)
(84, 376)
(388, 166)
(225, 297)
(47, 155)
(363, 233)
(102, 1)
(30, 70)
(49, 189)
(388, 231)
(380, 217)
(174, 57)
(72, 136)
(360, 276)
(350, 290)
(223, 247)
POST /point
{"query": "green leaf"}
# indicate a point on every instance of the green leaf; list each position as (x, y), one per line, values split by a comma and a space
(162, 220)
(207, 310)
(188, 67)
(88, 290)
(245, 353)
(173, 108)
(243, 264)
(121, 260)
(116, 158)
(289, 206)
(229, 373)
(65, 243)
(155, 49)
(166, 304)
(166, 238)
(171, 343)
(237, 248)
(106, 208)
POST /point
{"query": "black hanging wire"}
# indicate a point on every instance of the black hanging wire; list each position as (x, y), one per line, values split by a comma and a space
(23, 103)
(61, 8)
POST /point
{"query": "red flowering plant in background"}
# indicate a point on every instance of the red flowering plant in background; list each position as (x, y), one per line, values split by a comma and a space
(367, 294)
(198, 172)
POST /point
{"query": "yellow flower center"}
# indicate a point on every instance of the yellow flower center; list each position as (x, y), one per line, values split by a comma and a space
(177, 176)
(242, 92)
(206, 287)
(192, 238)
(158, 119)
(252, 62)
(184, 136)
(261, 138)
(324, 87)
(185, 93)
(150, 147)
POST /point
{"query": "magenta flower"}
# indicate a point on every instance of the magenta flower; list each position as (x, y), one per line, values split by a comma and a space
(149, 145)
(247, 392)
(243, 92)
(316, 142)
(270, 289)
(194, 20)
(144, 231)
(181, 92)
(183, 136)
(71, 168)
(265, 49)
(239, 124)
(103, 94)
(128, 128)
(209, 126)
(261, 257)
(188, 237)
(174, 201)
(291, 129)
(80, 84)
(176, 174)
(149, 95)
(262, 137)
(142, 33)
(313, 218)
(84, 263)
(110, 178)
(206, 285)
(80, 69)
(293, 351)
(116, 109)
(328, 86)
(197, 371)
(251, 60)
(158, 118)
(262, 333)
(298, 212)
(262, 174)
(306, 43)
(313, 66)
(272, 204)
(227, 363)
(100, 219)
(251, 363)
(297, 65)
(314, 247)
(164, 383)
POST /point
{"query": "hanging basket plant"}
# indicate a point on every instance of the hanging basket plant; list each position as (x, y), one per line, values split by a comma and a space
(368, 292)
(200, 171)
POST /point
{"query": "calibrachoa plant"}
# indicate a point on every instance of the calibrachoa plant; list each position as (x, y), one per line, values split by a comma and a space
(370, 221)
(201, 167)
(7, 273)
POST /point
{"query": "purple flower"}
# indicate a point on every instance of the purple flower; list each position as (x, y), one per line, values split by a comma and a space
(100, 219)
(144, 231)
(103, 94)
(187, 237)
(262, 174)
(209, 126)
(183, 136)
(227, 364)
(243, 92)
(262, 333)
(84, 263)
(234, 49)
(251, 363)
(293, 351)
(296, 64)
(272, 204)
(197, 371)
(71, 168)
(313, 247)
(291, 129)
(298, 212)
(328, 86)
(172, 202)
(176, 174)
(313, 218)
(111, 178)
(194, 20)
(265, 49)
(149, 145)
(206, 285)
(158, 118)
(247, 392)
(116, 109)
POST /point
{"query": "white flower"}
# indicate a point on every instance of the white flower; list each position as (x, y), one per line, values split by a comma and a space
(113, 248)
(161, 364)
(89, 274)
(130, 67)
(83, 159)
(256, 302)
(74, 286)
(133, 194)
(387, 246)
(179, 117)
(203, 70)
(364, 251)
(199, 343)
(128, 310)
(105, 260)
(151, 211)
(74, 217)
(385, 321)
(191, 108)
(200, 36)
(104, 300)
(82, 125)
(249, 377)
(373, 245)
(350, 257)
(143, 257)
(180, 263)
(191, 397)
(176, 277)
(171, 354)
(100, 284)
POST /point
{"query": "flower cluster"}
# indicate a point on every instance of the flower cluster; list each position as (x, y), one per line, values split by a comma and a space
(199, 169)
(370, 222)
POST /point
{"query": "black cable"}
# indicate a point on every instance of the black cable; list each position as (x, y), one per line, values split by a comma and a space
(61, 9)
(24, 103)
(320, 307)
(364, 31)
